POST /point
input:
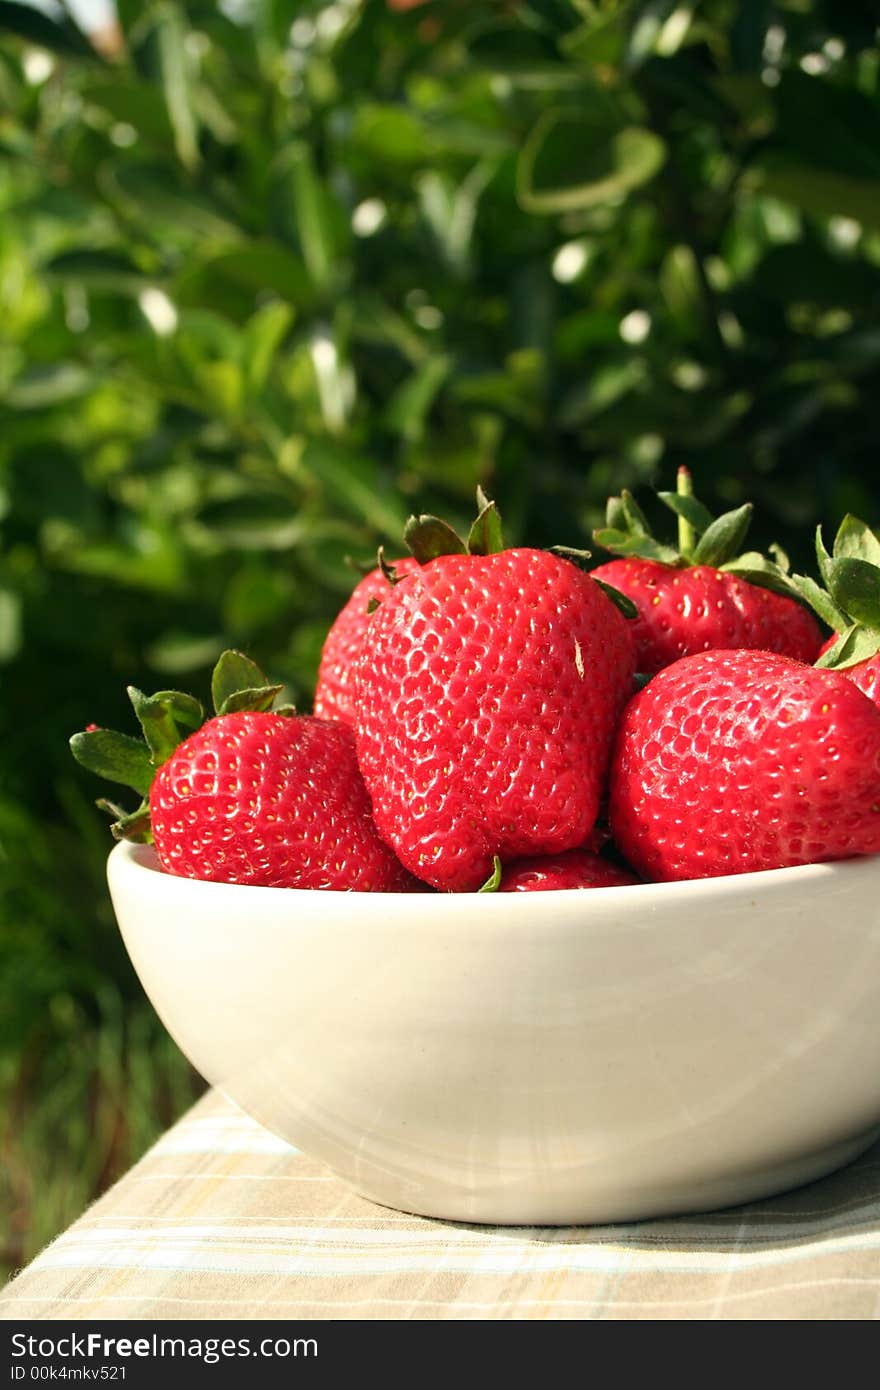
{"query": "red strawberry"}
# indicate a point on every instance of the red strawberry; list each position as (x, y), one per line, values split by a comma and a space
(334, 693)
(691, 600)
(252, 796)
(864, 674)
(577, 868)
(733, 761)
(684, 611)
(488, 692)
(850, 603)
(270, 799)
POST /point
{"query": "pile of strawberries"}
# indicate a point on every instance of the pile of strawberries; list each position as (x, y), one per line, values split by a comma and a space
(490, 718)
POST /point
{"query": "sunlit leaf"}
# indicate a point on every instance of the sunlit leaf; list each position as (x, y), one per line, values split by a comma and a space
(569, 162)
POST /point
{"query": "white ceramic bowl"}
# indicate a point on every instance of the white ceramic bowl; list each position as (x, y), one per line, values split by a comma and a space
(535, 1058)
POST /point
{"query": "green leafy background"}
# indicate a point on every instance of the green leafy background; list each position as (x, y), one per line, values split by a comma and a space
(279, 273)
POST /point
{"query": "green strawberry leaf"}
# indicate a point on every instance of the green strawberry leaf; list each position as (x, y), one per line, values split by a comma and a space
(820, 601)
(621, 601)
(259, 699)
(625, 544)
(389, 572)
(856, 541)
(129, 825)
(764, 574)
(856, 644)
(779, 555)
(577, 557)
(823, 559)
(118, 757)
(637, 522)
(693, 511)
(161, 716)
(615, 515)
(483, 500)
(485, 536)
(428, 537)
(493, 882)
(722, 540)
(854, 586)
(234, 672)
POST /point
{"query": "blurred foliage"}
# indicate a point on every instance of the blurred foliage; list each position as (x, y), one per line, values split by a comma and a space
(282, 272)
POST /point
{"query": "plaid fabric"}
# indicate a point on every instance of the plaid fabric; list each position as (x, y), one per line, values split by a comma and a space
(222, 1220)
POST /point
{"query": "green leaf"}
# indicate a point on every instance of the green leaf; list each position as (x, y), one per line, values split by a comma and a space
(486, 537)
(253, 523)
(262, 336)
(59, 35)
(856, 541)
(153, 197)
(569, 162)
(721, 541)
(581, 558)
(50, 385)
(820, 192)
(624, 543)
(856, 644)
(855, 587)
(764, 574)
(823, 559)
(129, 825)
(389, 572)
(117, 757)
(492, 883)
(601, 41)
(135, 101)
(780, 556)
(260, 698)
(252, 269)
(171, 35)
(408, 408)
(357, 484)
(620, 600)
(428, 537)
(616, 518)
(636, 520)
(166, 718)
(311, 211)
(391, 133)
(820, 601)
(680, 286)
(10, 624)
(604, 388)
(688, 507)
(831, 124)
(233, 673)
(98, 270)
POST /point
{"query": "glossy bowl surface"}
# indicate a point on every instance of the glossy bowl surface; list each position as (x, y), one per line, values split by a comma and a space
(533, 1058)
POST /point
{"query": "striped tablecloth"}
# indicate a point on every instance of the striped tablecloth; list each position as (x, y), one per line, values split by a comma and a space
(222, 1220)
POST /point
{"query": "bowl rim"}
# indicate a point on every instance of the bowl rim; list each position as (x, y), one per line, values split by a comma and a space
(141, 862)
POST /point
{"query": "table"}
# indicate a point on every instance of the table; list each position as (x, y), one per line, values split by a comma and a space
(223, 1220)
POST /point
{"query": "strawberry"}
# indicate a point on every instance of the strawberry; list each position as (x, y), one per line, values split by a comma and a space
(577, 868)
(487, 694)
(698, 597)
(251, 796)
(733, 761)
(334, 693)
(849, 602)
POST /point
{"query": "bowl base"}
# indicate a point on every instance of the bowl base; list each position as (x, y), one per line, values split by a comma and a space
(539, 1208)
